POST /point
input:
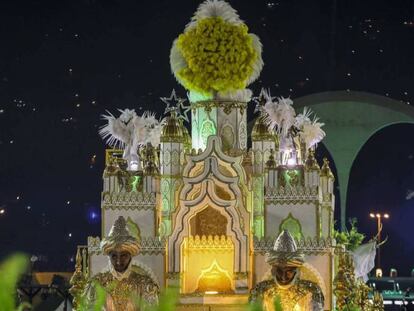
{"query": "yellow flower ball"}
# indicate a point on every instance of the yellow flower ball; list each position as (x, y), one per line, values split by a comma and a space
(219, 56)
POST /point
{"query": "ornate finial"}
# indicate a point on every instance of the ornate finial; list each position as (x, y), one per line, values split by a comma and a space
(120, 238)
(344, 282)
(326, 170)
(177, 107)
(271, 163)
(78, 280)
(311, 164)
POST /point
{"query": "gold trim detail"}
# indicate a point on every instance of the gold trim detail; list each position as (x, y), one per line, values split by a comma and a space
(131, 200)
(261, 132)
(78, 280)
(291, 195)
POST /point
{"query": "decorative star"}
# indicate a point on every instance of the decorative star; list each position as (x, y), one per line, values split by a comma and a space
(176, 104)
(262, 99)
(184, 109)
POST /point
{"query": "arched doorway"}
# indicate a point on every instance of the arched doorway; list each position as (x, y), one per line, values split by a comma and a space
(207, 261)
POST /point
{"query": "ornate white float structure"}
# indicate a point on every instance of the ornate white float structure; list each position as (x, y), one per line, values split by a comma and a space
(208, 206)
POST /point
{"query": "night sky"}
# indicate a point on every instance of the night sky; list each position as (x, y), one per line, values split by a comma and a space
(62, 63)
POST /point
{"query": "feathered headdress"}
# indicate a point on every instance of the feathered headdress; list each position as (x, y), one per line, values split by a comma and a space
(280, 115)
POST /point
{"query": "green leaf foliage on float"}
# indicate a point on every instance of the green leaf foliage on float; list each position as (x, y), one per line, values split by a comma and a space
(99, 303)
(352, 238)
(10, 272)
(168, 300)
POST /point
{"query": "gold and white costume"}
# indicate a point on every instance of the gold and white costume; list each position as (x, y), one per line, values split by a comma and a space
(130, 290)
(298, 295)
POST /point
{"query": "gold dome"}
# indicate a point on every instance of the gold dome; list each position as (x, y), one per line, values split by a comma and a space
(187, 138)
(261, 131)
(173, 129)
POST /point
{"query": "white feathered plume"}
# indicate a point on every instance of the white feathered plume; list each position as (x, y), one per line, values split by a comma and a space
(303, 117)
(310, 131)
(258, 64)
(215, 8)
(280, 115)
(118, 131)
(130, 131)
(152, 129)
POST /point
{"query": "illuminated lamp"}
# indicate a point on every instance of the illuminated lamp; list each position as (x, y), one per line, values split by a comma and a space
(378, 273)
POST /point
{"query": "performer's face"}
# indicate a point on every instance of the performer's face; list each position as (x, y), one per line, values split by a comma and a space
(120, 260)
(284, 275)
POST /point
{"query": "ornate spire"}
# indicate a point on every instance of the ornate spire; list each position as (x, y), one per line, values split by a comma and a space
(344, 282)
(172, 131)
(78, 280)
(261, 131)
(311, 164)
(326, 170)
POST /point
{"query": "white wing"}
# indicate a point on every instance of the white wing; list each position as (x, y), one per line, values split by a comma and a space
(140, 130)
(116, 133)
(154, 135)
(364, 259)
(303, 117)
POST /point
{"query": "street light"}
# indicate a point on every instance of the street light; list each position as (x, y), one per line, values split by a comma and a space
(379, 217)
